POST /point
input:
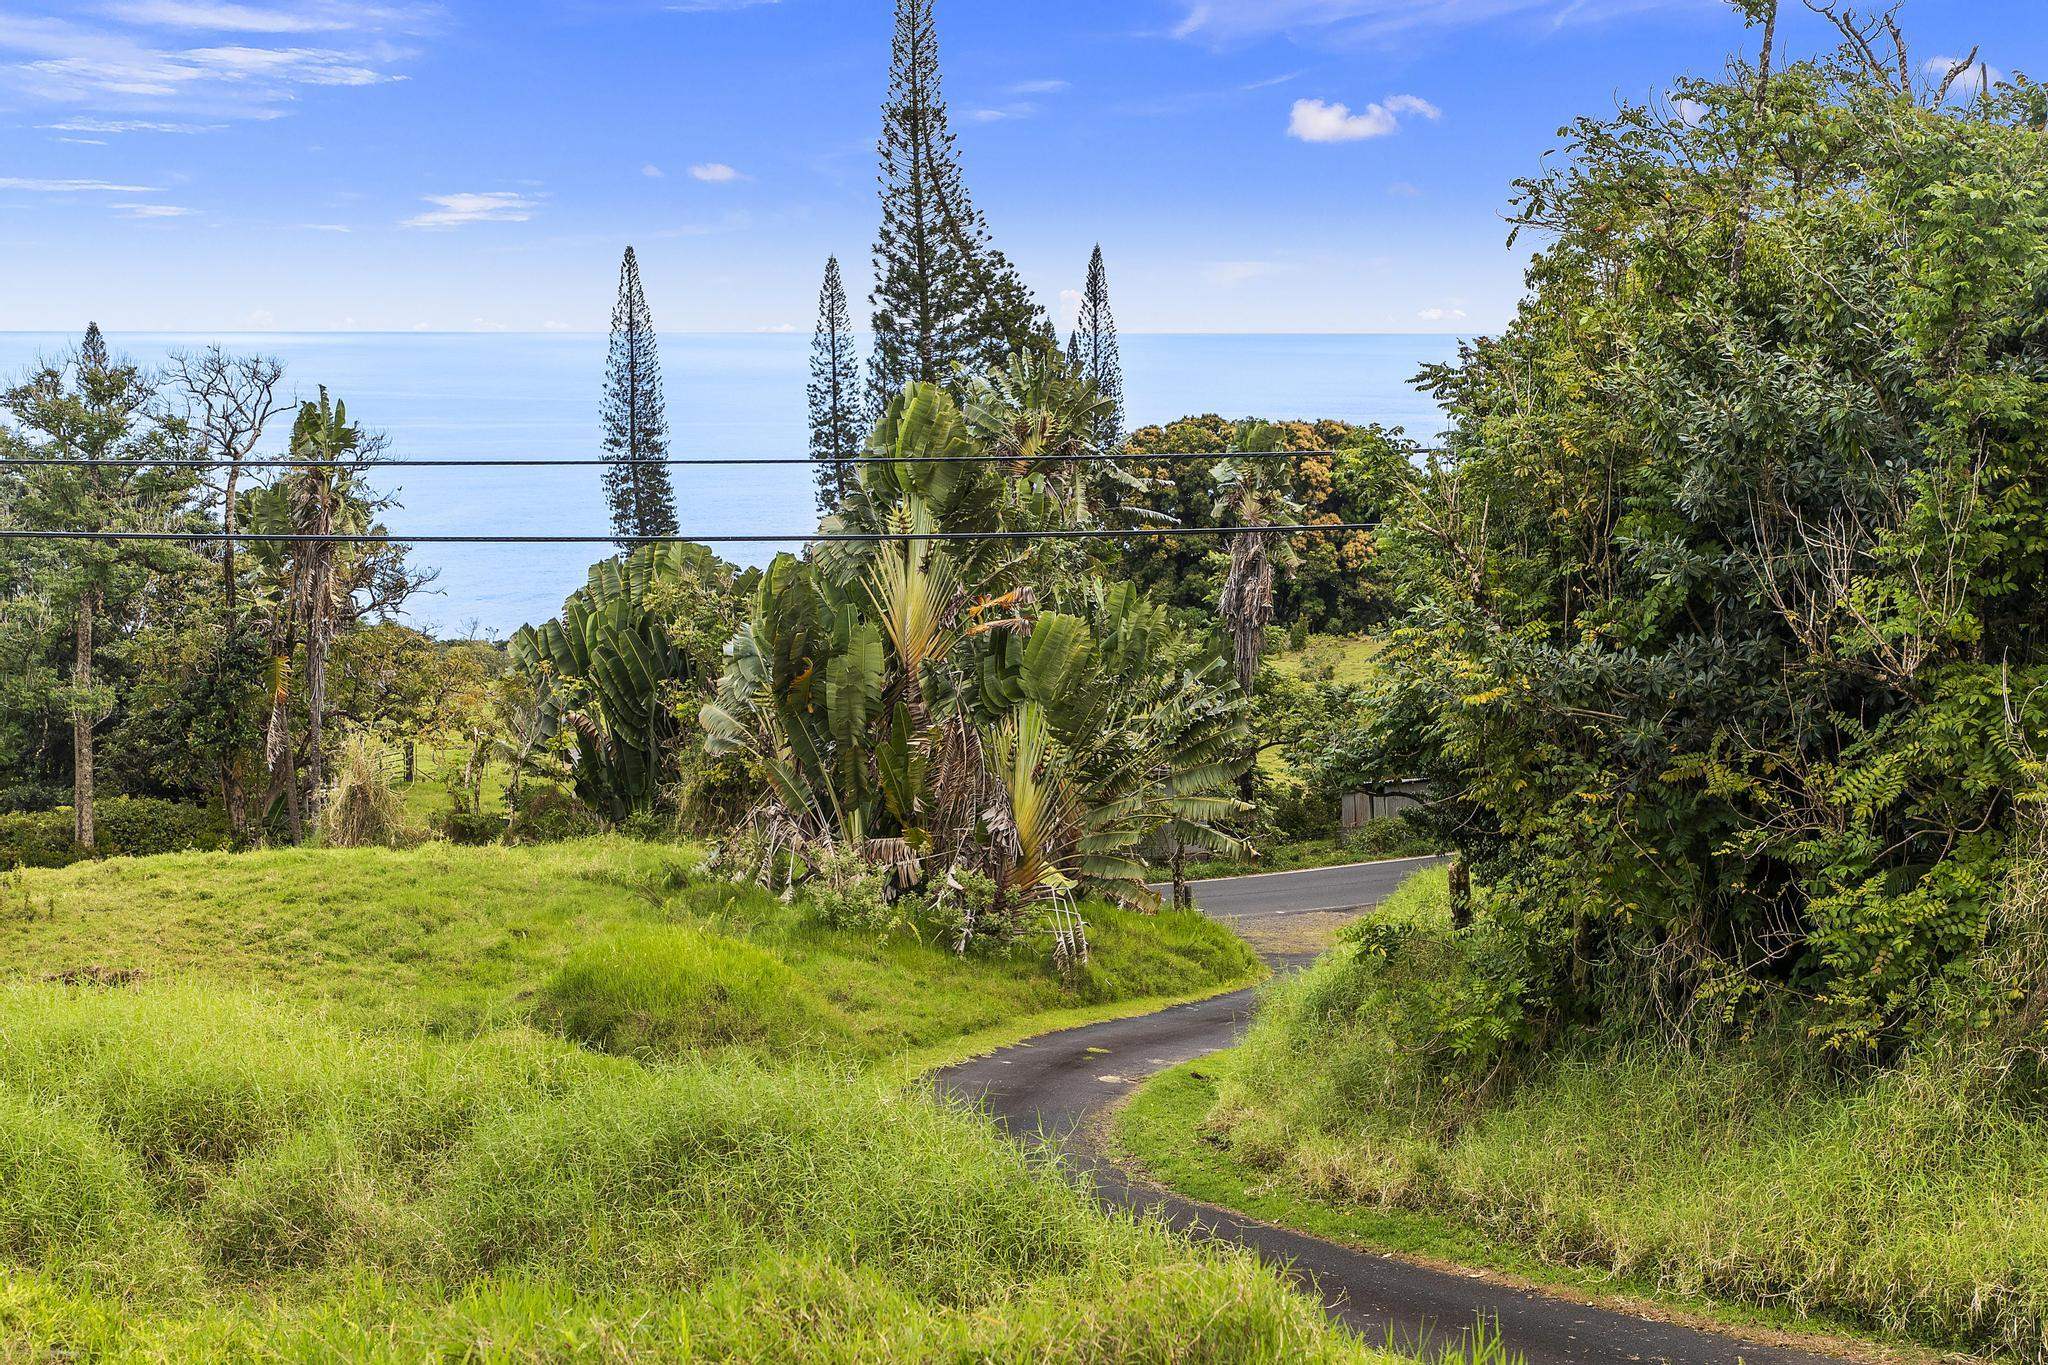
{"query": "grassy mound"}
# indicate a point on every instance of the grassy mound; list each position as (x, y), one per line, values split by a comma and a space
(1904, 1202)
(656, 990)
(187, 1173)
(617, 943)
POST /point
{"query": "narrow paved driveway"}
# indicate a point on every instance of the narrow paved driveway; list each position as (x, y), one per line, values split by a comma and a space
(1268, 895)
(1048, 1090)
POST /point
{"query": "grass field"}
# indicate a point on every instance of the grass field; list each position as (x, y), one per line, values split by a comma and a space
(614, 941)
(331, 1105)
(1907, 1204)
(192, 1173)
(1331, 658)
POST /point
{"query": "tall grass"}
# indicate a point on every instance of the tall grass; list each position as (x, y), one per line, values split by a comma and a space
(363, 807)
(191, 1175)
(1915, 1201)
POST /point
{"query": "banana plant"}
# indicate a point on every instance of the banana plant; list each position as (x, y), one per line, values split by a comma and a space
(606, 669)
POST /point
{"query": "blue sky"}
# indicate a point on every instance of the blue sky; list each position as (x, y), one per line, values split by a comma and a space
(1248, 165)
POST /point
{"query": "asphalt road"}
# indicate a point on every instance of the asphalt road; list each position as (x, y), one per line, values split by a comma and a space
(1274, 894)
(1047, 1090)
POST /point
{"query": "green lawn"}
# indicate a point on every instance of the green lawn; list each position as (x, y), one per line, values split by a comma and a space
(1331, 658)
(459, 941)
(428, 798)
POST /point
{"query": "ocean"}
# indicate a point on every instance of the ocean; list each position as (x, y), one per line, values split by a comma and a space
(484, 395)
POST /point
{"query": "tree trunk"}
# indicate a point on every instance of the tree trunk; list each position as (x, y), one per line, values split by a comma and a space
(317, 642)
(1745, 207)
(1461, 894)
(232, 796)
(82, 830)
(1183, 899)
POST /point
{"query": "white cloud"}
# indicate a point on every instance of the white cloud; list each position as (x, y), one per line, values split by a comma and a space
(153, 210)
(1401, 189)
(777, 329)
(458, 210)
(222, 16)
(1973, 77)
(1324, 121)
(1050, 87)
(1414, 104)
(715, 173)
(1021, 109)
(114, 126)
(14, 182)
(1442, 314)
(119, 70)
(1230, 21)
(652, 171)
(1225, 274)
(329, 227)
(1070, 304)
(1691, 112)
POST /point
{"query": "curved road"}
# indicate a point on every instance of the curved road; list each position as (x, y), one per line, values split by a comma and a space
(1050, 1087)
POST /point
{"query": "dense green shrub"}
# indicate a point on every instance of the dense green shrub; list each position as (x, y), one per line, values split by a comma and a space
(126, 827)
(662, 989)
(545, 814)
(1726, 636)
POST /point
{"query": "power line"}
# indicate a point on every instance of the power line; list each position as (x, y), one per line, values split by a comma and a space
(814, 538)
(708, 461)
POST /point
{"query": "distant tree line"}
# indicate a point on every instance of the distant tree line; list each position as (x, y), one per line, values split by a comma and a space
(156, 669)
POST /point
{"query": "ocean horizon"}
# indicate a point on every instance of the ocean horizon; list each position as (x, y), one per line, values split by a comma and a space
(535, 395)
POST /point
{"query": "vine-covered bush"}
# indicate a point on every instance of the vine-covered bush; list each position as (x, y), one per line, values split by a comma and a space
(125, 827)
(1726, 633)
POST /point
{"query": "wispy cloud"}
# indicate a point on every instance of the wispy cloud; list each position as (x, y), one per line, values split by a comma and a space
(1047, 87)
(653, 172)
(114, 126)
(715, 173)
(153, 210)
(1229, 21)
(1324, 121)
(1442, 314)
(225, 16)
(713, 6)
(460, 210)
(1226, 274)
(1970, 75)
(135, 57)
(1004, 113)
(33, 186)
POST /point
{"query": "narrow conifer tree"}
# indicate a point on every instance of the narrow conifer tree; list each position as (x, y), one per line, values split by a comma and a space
(643, 502)
(834, 393)
(1094, 354)
(944, 297)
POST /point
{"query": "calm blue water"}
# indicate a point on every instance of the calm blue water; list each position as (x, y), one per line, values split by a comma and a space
(461, 396)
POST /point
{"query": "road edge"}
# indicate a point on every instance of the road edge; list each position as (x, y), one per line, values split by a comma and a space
(1107, 1136)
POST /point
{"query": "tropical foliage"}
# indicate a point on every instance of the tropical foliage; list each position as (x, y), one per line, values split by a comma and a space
(149, 669)
(603, 675)
(1725, 633)
(974, 706)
